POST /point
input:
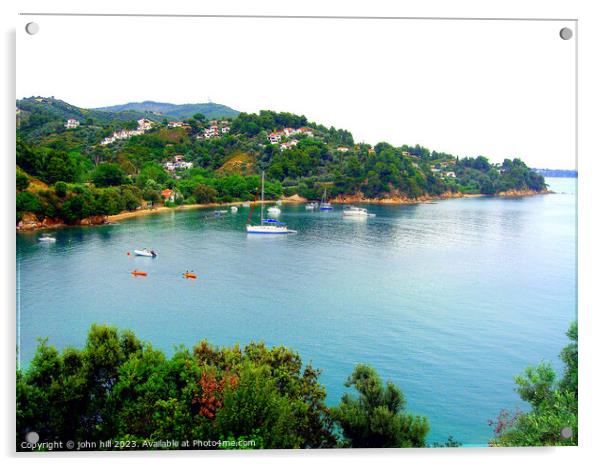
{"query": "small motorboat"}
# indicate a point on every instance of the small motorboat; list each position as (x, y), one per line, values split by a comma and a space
(274, 210)
(311, 206)
(189, 275)
(278, 202)
(355, 212)
(145, 252)
(138, 273)
(233, 209)
(46, 238)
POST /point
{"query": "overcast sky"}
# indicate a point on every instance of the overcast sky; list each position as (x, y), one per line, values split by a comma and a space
(496, 88)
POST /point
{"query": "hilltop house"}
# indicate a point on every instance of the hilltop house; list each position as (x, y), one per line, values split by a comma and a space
(275, 137)
(71, 123)
(342, 149)
(289, 144)
(144, 124)
(290, 131)
(307, 131)
(175, 124)
(177, 163)
(211, 132)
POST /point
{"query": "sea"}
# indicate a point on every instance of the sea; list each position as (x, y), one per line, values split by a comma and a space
(449, 300)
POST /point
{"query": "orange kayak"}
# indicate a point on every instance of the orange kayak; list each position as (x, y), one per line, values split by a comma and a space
(189, 275)
(138, 273)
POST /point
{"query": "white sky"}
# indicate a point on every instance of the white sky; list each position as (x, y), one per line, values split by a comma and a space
(496, 88)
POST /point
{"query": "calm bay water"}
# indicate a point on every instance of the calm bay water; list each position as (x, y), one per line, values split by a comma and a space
(448, 300)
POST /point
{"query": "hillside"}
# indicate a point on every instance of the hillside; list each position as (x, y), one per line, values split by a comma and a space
(178, 112)
(109, 161)
(52, 108)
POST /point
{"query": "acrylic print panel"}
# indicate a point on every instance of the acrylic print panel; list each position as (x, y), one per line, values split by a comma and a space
(283, 232)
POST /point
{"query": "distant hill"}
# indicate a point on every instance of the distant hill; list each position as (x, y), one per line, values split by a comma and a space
(51, 108)
(553, 173)
(38, 117)
(175, 111)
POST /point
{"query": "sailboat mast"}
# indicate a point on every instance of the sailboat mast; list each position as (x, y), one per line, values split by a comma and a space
(262, 181)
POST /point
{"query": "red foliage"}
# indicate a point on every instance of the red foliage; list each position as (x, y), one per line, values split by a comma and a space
(211, 397)
(505, 420)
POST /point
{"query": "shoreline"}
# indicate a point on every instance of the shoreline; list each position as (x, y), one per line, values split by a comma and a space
(48, 224)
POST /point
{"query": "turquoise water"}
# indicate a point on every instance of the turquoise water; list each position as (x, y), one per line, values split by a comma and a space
(448, 300)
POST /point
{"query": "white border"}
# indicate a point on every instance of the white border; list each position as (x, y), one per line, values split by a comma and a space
(590, 38)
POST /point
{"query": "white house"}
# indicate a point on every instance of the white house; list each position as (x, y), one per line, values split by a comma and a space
(450, 174)
(225, 129)
(71, 123)
(175, 124)
(306, 131)
(211, 132)
(177, 163)
(343, 149)
(290, 131)
(275, 137)
(289, 144)
(144, 124)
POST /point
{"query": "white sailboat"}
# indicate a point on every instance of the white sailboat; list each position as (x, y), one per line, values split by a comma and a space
(268, 226)
(325, 205)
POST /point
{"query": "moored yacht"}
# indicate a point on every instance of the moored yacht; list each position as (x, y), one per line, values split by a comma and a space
(267, 226)
(323, 204)
(355, 212)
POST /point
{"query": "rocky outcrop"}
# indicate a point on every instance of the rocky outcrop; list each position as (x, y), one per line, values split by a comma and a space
(30, 222)
(520, 193)
(394, 199)
(294, 198)
(94, 220)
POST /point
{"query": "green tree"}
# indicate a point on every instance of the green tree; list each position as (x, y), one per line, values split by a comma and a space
(108, 174)
(27, 202)
(60, 188)
(22, 181)
(119, 388)
(377, 418)
(59, 167)
(553, 404)
(204, 194)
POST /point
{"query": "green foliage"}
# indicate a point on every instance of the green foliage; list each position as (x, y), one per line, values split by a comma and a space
(553, 404)
(22, 180)
(377, 418)
(60, 188)
(151, 171)
(119, 388)
(204, 194)
(27, 202)
(108, 174)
